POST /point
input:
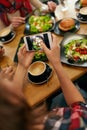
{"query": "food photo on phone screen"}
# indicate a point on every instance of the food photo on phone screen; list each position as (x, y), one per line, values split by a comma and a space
(33, 42)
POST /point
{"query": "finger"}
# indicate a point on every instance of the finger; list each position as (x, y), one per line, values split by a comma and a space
(18, 19)
(21, 48)
(9, 70)
(52, 6)
(4, 73)
(43, 46)
(21, 18)
(11, 74)
(55, 40)
(16, 24)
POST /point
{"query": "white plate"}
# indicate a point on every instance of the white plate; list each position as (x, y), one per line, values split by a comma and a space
(9, 39)
(67, 38)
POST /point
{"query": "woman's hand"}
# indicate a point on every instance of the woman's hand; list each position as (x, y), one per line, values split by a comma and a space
(52, 6)
(17, 21)
(6, 73)
(25, 57)
(53, 54)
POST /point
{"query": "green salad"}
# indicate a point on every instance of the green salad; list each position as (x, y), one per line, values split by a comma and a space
(40, 23)
(76, 50)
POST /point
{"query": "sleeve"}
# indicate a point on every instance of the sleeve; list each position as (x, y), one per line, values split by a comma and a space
(3, 15)
(73, 117)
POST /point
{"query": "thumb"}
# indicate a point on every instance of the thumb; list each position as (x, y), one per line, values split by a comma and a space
(55, 40)
(43, 46)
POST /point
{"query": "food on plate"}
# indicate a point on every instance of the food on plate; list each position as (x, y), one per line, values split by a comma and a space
(76, 51)
(66, 24)
(83, 3)
(40, 23)
(39, 55)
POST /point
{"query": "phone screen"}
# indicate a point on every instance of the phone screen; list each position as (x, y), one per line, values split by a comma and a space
(33, 42)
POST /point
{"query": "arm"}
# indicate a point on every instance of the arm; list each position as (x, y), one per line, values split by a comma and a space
(70, 92)
(36, 3)
(51, 6)
(13, 88)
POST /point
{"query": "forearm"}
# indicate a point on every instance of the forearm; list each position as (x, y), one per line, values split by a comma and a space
(19, 75)
(12, 90)
(70, 92)
(36, 3)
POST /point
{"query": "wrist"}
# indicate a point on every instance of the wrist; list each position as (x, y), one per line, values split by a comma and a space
(21, 68)
(57, 65)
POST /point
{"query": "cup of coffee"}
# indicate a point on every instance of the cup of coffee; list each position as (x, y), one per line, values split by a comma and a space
(37, 71)
(83, 12)
(6, 34)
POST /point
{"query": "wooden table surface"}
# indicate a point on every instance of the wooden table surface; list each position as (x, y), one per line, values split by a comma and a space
(36, 94)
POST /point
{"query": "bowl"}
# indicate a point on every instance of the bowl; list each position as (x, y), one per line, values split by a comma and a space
(39, 23)
(83, 13)
(6, 34)
(38, 72)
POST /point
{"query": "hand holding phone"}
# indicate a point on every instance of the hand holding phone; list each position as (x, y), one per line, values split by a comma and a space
(33, 41)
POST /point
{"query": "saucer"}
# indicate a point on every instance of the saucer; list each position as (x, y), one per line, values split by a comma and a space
(7, 41)
(81, 19)
(46, 78)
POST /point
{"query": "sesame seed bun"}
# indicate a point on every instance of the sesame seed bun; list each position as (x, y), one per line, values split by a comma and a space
(66, 24)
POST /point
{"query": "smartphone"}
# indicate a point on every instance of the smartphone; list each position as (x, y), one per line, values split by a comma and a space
(33, 41)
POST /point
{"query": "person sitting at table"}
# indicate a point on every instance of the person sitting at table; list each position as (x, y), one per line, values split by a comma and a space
(72, 117)
(15, 11)
(75, 116)
(12, 100)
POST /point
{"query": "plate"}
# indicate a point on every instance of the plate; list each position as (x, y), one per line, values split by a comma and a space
(67, 38)
(13, 36)
(77, 5)
(62, 33)
(81, 19)
(48, 76)
(27, 26)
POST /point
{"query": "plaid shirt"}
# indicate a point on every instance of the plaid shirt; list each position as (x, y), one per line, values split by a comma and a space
(69, 118)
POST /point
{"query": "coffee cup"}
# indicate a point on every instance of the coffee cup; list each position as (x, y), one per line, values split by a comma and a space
(6, 34)
(37, 71)
(83, 13)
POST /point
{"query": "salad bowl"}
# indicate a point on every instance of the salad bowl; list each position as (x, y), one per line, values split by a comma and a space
(38, 23)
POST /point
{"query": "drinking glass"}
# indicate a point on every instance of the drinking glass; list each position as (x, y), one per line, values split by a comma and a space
(63, 4)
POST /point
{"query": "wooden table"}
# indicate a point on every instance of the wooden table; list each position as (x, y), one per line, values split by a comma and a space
(36, 94)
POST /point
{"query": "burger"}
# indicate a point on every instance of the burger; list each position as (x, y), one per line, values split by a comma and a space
(83, 3)
(66, 24)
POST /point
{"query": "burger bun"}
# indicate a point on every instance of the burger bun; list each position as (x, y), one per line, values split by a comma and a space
(66, 24)
(83, 3)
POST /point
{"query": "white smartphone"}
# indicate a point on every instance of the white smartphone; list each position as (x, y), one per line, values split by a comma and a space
(33, 41)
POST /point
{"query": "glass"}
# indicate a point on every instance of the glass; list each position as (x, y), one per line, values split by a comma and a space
(63, 4)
